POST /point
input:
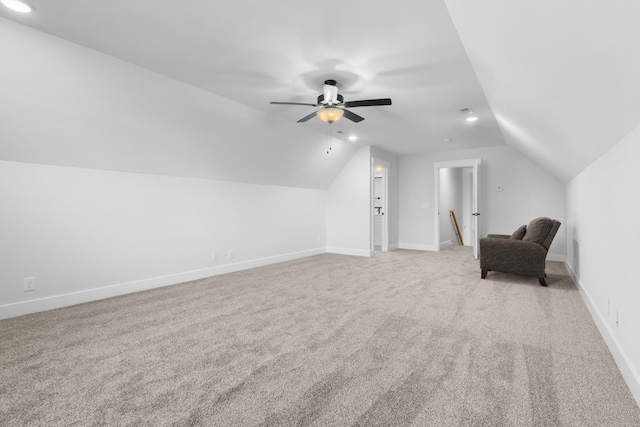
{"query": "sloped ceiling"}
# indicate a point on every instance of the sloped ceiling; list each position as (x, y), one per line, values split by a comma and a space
(183, 88)
(562, 77)
(66, 105)
(246, 54)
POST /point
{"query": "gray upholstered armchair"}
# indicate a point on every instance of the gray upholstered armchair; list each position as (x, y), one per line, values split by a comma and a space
(524, 252)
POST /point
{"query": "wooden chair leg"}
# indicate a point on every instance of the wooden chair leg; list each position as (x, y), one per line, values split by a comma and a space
(542, 282)
(483, 274)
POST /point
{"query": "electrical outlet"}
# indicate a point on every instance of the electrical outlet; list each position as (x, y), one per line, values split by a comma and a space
(214, 256)
(231, 254)
(29, 284)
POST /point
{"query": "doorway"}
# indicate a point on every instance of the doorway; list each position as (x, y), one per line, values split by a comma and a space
(455, 207)
(457, 188)
(379, 206)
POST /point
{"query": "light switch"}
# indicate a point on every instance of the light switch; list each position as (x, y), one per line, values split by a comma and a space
(498, 188)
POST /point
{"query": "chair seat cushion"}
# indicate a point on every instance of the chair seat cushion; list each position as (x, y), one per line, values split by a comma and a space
(538, 230)
(519, 233)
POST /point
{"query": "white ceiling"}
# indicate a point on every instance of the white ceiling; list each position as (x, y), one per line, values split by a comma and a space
(556, 81)
(254, 52)
(562, 77)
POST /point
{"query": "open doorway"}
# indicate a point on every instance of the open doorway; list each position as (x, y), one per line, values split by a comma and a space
(457, 191)
(455, 206)
(379, 204)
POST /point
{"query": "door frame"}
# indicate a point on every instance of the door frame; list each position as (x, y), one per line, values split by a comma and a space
(384, 239)
(475, 191)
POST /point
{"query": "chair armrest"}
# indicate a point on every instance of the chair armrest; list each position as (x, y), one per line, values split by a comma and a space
(512, 256)
(498, 236)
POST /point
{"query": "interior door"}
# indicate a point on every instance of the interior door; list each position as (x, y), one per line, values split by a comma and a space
(475, 209)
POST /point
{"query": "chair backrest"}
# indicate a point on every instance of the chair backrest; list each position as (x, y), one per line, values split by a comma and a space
(552, 234)
(542, 231)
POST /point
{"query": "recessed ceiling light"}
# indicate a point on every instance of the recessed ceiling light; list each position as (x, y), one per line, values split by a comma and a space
(471, 119)
(353, 138)
(18, 5)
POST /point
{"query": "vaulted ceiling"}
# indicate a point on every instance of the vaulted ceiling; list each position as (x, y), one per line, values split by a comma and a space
(561, 76)
(557, 81)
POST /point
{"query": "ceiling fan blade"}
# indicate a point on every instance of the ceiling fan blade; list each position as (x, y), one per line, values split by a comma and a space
(352, 116)
(368, 103)
(305, 118)
(292, 103)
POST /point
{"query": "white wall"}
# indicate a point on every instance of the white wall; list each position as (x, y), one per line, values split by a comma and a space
(349, 208)
(450, 199)
(528, 192)
(348, 223)
(602, 205)
(87, 234)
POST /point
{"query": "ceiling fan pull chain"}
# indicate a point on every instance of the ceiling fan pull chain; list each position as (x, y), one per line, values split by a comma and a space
(328, 140)
(328, 137)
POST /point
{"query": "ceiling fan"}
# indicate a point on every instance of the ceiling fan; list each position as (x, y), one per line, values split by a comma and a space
(333, 107)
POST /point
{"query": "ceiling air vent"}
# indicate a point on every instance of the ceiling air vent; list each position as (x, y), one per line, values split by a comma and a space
(466, 110)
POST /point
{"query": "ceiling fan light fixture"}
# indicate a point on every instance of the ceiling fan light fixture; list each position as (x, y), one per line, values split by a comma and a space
(18, 5)
(330, 115)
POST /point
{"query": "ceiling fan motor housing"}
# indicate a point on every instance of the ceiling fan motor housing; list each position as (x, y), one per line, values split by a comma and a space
(321, 100)
(330, 92)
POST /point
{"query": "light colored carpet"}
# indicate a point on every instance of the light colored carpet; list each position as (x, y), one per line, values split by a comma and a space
(404, 338)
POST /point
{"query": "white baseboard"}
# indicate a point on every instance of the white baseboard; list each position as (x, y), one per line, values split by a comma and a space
(394, 246)
(73, 298)
(628, 371)
(417, 247)
(445, 243)
(556, 257)
(347, 251)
